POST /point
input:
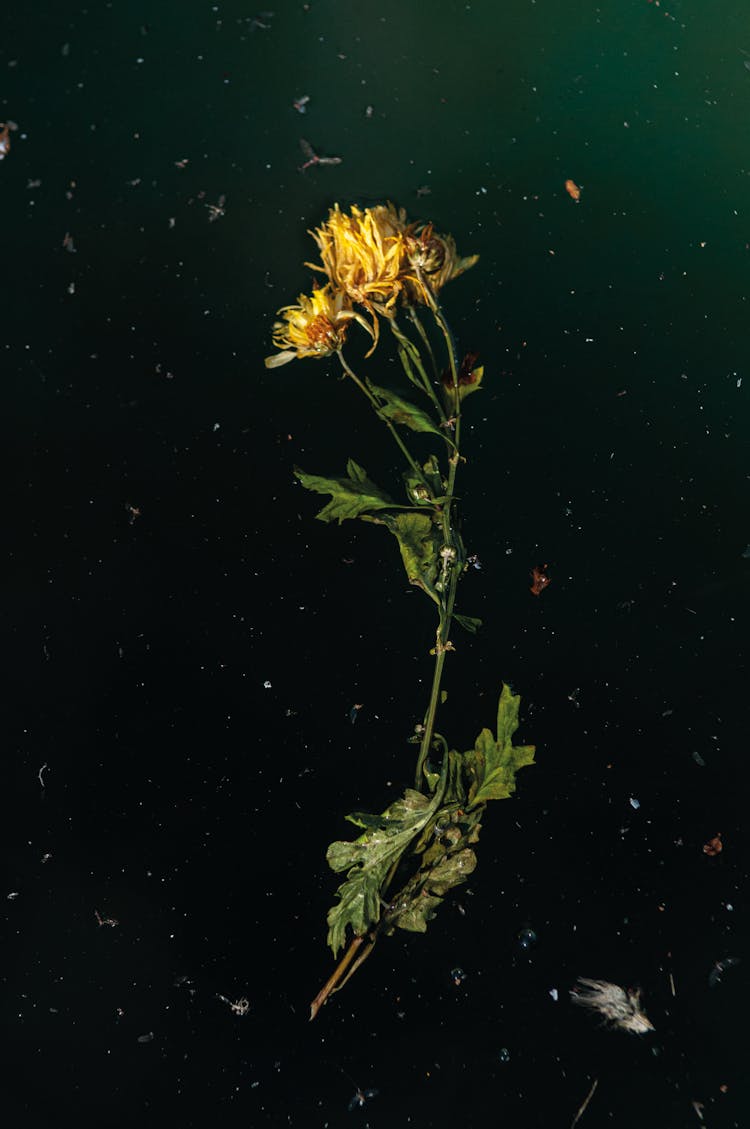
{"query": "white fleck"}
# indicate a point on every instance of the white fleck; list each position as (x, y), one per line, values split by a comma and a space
(267, 684)
(635, 803)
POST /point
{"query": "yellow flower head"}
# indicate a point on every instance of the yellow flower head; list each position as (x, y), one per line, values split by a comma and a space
(315, 327)
(363, 255)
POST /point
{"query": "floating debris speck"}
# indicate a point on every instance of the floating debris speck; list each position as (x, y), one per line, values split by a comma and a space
(619, 1007)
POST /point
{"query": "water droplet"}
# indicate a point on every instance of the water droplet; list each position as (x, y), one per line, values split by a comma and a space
(526, 938)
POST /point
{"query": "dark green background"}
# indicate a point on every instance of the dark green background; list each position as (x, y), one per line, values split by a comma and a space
(192, 804)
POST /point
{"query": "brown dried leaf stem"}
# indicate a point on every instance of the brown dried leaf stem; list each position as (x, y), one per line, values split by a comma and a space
(586, 1101)
(342, 971)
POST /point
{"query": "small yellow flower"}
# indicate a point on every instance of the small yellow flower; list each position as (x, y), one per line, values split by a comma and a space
(315, 327)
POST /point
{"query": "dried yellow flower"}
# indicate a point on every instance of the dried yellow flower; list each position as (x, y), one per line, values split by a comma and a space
(433, 260)
(315, 327)
(362, 254)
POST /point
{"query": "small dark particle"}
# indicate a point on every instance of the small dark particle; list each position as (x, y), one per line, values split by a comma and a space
(360, 1098)
(714, 976)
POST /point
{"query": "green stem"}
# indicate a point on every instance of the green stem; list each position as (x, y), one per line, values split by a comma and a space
(425, 339)
(448, 598)
(376, 407)
(412, 353)
(429, 721)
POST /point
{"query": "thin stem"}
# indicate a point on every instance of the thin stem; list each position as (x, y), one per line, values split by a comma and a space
(440, 319)
(448, 598)
(376, 407)
(425, 339)
(413, 357)
(429, 721)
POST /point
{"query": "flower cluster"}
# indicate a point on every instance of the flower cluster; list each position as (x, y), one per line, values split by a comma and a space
(372, 259)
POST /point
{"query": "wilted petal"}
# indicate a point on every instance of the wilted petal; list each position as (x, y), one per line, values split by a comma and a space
(279, 359)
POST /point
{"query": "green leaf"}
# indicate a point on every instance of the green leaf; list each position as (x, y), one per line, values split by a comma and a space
(473, 384)
(404, 357)
(493, 762)
(409, 355)
(401, 411)
(350, 497)
(369, 859)
(445, 868)
(455, 792)
(434, 478)
(452, 871)
(468, 622)
(418, 912)
(419, 540)
(470, 382)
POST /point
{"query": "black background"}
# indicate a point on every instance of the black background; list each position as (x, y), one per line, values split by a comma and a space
(194, 805)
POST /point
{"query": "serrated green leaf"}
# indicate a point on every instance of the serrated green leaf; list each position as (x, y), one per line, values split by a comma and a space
(398, 410)
(419, 540)
(368, 860)
(422, 897)
(350, 497)
(418, 912)
(451, 871)
(493, 762)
